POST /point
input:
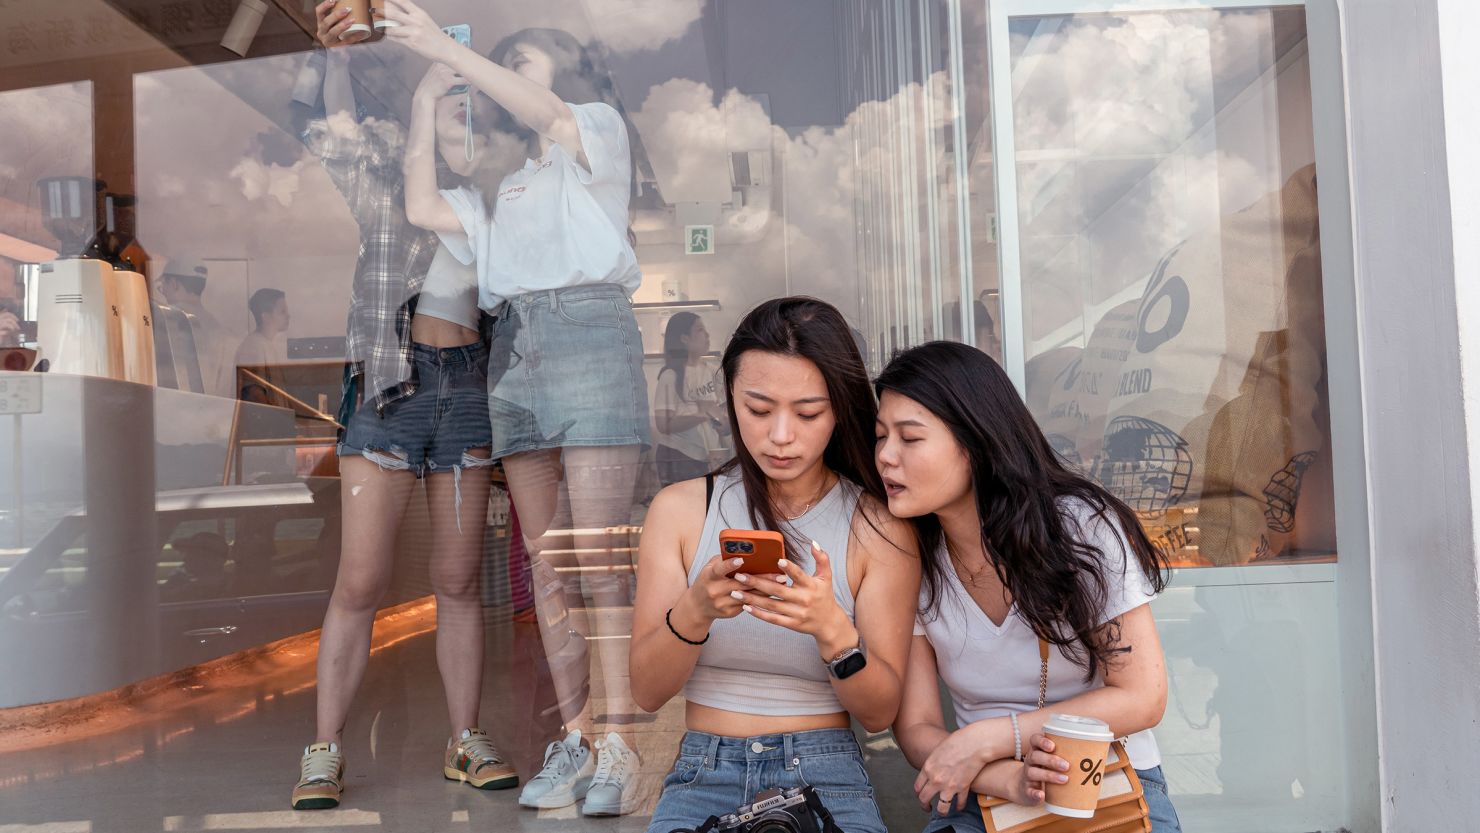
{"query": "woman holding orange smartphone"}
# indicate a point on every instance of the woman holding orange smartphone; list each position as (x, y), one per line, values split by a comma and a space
(774, 665)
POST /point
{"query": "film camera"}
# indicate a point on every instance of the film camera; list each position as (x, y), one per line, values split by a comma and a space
(797, 810)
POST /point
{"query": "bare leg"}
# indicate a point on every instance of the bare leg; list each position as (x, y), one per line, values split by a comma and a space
(372, 501)
(600, 482)
(456, 568)
(535, 486)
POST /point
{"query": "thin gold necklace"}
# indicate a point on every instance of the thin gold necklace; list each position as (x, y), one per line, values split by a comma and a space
(971, 577)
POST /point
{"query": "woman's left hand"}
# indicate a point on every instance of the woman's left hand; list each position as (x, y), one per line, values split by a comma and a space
(417, 30)
(949, 772)
(807, 605)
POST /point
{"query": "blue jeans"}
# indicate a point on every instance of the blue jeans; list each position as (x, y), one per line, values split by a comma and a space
(435, 428)
(715, 775)
(565, 369)
(1153, 782)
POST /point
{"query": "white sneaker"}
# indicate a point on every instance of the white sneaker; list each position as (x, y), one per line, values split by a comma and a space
(565, 777)
(613, 790)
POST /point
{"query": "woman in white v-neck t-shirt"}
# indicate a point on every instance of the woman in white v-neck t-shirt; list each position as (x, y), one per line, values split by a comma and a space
(568, 402)
(1014, 547)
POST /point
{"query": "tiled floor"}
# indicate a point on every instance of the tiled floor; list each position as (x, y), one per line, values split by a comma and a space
(224, 756)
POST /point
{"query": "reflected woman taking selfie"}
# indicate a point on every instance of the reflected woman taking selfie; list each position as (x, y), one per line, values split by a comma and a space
(567, 394)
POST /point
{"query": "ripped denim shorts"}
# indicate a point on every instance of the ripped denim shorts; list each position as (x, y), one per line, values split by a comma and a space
(435, 428)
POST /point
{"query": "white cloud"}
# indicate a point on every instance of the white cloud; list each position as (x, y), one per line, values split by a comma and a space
(259, 181)
(638, 25)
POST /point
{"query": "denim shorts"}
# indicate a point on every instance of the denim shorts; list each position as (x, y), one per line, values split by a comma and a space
(715, 775)
(565, 369)
(1153, 782)
(434, 428)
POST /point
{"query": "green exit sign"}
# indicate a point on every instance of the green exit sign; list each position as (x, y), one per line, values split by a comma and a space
(698, 240)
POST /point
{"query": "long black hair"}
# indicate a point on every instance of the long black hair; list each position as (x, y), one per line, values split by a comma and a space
(675, 352)
(813, 330)
(1025, 499)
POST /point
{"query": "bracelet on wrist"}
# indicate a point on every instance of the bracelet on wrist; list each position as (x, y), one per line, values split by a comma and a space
(1017, 738)
(668, 617)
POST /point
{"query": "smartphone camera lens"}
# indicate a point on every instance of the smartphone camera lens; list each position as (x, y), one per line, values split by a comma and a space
(746, 546)
(729, 546)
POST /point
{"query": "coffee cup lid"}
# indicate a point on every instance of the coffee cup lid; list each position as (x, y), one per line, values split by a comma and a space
(1074, 726)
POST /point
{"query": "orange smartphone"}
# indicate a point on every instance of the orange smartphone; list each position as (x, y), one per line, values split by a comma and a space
(759, 549)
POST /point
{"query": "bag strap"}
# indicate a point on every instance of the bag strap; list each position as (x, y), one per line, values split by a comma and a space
(1043, 679)
(1042, 673)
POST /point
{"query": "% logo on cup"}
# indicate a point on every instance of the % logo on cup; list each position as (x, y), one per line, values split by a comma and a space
(1092, 770)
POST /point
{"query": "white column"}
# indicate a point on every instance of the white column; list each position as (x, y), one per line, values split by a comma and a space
(1413, 69)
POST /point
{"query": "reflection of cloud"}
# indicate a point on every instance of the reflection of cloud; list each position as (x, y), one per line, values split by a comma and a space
(637, 25)
(48, 132)
(260, 180)
(1134, 136)
(833, 179)
(203, 183)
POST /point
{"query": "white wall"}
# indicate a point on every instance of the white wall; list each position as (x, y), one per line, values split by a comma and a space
(1415, 209)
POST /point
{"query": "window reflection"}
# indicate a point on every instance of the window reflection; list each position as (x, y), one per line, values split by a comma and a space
(1171, 269)
(1172, 324)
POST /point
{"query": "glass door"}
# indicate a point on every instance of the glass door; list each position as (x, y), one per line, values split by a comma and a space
(1164, 269)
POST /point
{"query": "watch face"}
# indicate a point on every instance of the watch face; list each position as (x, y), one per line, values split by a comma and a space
(849, 665)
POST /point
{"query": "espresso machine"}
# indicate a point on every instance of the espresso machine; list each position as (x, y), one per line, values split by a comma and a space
(93, 316)
(79, 326)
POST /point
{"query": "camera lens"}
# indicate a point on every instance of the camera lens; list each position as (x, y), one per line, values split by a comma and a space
(729, 546)
(746, 546)
(775, 825)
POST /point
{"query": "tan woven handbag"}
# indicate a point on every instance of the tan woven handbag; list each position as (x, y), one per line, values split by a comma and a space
(1122, 806)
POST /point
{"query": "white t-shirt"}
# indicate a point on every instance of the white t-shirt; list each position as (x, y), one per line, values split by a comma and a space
(992, 671)
(702, 384)
(450, 291)
(554, 224)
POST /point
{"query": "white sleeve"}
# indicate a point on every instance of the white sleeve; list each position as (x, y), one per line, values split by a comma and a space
(919, 626)
(666, 398)
(605, 143)
(1126, 584)
(467, 204)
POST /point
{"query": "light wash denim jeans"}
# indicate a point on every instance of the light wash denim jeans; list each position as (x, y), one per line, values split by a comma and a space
(714, 775)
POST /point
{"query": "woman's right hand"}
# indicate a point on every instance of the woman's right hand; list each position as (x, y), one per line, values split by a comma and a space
(434, 85)
(333, 21)
(715, 595)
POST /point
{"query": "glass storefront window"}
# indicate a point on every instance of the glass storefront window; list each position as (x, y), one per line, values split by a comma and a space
(1171, 272)
(1120, 207)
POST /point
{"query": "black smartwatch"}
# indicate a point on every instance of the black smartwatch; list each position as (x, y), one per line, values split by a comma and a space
(848, 663)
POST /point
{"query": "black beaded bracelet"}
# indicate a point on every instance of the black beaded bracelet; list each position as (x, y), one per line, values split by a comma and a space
(668, 617)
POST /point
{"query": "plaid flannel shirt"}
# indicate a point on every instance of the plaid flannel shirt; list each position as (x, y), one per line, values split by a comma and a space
(363, 157)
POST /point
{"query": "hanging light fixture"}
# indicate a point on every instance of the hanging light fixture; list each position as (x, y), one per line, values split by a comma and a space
(244, 25)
